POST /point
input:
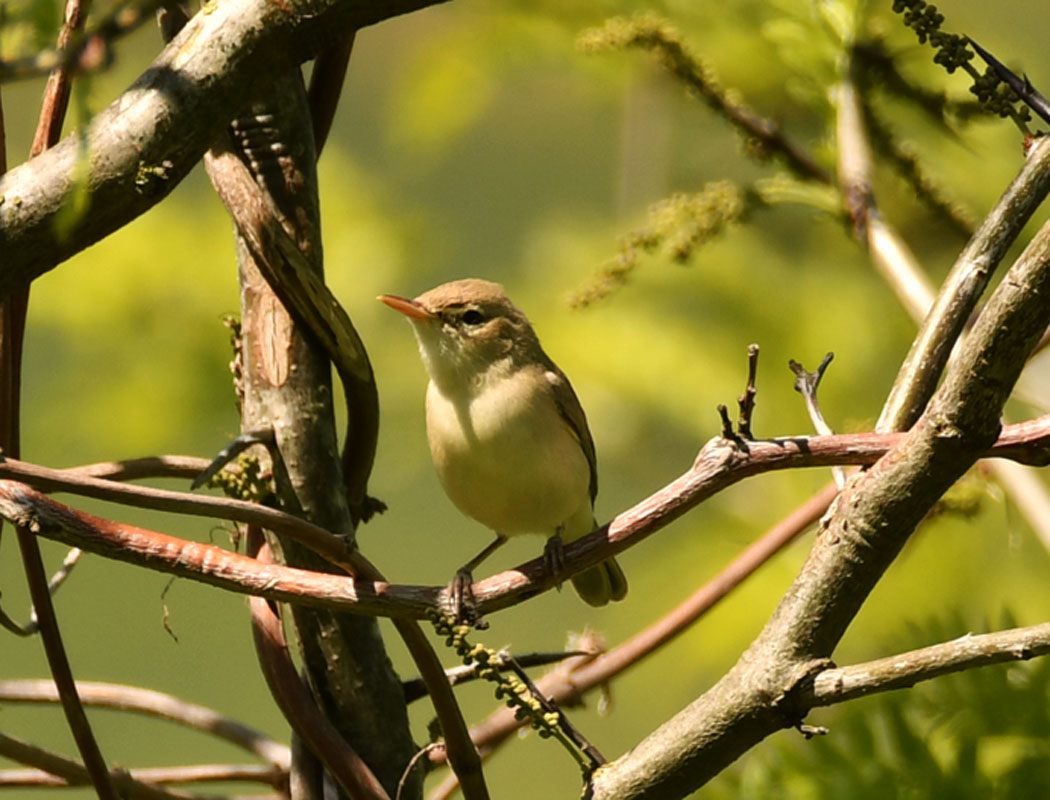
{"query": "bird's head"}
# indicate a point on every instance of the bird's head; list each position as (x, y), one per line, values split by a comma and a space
(468, 331)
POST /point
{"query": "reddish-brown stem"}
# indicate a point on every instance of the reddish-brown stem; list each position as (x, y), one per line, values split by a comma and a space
(718, 466)
(15, 307)
(341, 760)
(58, 663)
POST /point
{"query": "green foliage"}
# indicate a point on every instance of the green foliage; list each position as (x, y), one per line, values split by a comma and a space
(678, 225)
(27, 26)
(953, 52)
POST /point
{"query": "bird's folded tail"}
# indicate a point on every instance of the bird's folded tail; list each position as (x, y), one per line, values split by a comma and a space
(601, 583)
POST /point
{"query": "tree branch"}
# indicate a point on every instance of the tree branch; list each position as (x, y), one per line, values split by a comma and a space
(901, 671)
(944, 322)
(295, 702)
(873, 518)
(154, 704)
(74, 774)
(155, 132)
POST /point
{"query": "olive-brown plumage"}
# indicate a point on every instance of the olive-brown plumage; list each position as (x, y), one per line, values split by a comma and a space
(508, 435)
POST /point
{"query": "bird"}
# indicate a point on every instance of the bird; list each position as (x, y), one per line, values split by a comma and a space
(508, 436)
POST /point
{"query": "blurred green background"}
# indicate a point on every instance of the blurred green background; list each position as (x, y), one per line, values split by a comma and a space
(474, 139)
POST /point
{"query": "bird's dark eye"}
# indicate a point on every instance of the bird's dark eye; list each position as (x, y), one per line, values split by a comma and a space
(472, 317)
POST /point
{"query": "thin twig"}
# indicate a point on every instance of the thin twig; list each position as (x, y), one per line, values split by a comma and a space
(415, 689)
(59, 82)
(154, 704)
(1022, 86)
(60, 576)
(267, 438)
(74, 774)
(807, 383)
(904, 670)
(564, 724)
(58, 663)
(166, 466)
(196, 773)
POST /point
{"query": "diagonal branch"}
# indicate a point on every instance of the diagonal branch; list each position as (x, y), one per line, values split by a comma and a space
(871, 521)
(944, 323)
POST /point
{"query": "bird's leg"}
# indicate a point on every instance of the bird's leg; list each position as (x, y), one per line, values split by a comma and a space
(554, 554)
(461, 590)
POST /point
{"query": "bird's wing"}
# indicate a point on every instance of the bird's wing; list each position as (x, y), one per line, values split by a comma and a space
(572, 412)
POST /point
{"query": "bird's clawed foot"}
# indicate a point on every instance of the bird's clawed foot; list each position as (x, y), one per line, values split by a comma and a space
(462, 606)
(554, 556)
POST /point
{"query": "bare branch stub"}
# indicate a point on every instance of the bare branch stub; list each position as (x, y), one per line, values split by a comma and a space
(742, 434)
(57, 579)
(264, 436)
(806, 384)
(727, 426)
(809, 731)
(746, 401)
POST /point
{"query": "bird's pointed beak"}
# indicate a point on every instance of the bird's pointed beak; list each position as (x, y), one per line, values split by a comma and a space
(410, 308)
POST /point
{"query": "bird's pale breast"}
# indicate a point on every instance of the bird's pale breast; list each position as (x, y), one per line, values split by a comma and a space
(507, 458)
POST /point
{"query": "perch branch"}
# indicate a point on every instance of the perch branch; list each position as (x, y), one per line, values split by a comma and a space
(567, 684)
(718, 466)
